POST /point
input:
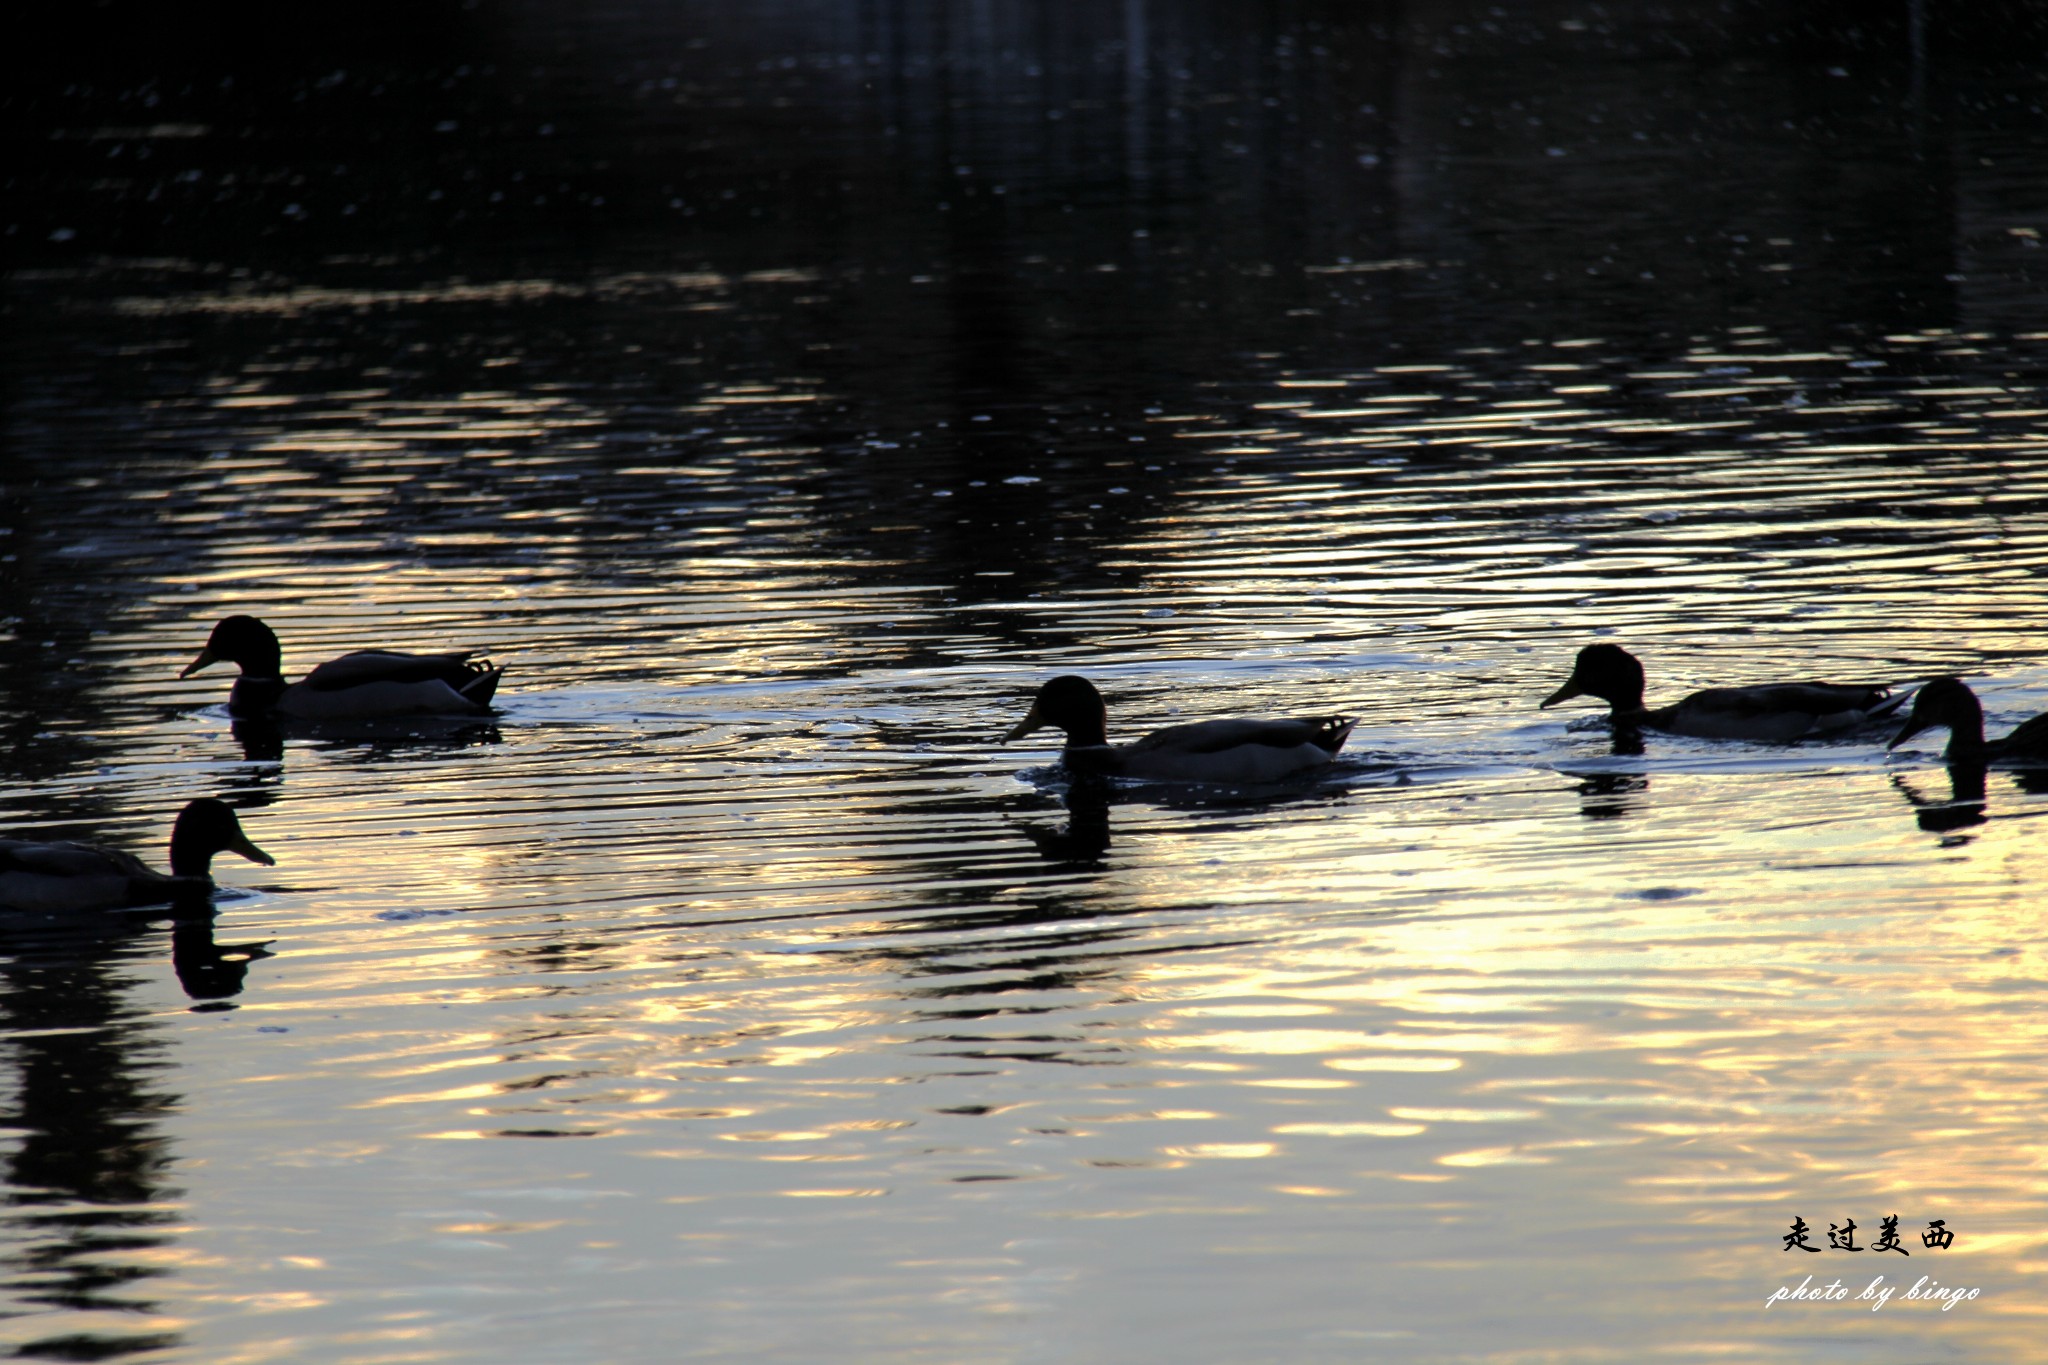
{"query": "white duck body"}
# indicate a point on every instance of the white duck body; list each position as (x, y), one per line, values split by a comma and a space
(1212, 751)
(62, 878)
(381, 682)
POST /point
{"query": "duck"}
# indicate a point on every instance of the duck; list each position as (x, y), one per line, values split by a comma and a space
(66, 878)
(367, 683)
(1949, 702)
(1226, 751)
(1769, 711)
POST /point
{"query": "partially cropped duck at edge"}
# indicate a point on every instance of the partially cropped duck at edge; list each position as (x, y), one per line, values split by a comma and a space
(1232, 751)
(1949, 702)
(367, 683)
(1768, 711)
(56, 878)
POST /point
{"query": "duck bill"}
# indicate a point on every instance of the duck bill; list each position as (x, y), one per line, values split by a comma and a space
(1912, 728)
(1032, 721)
(248, 850)
(206, 657)
(1566, 693)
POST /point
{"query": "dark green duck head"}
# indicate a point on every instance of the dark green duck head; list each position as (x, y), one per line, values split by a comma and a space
(204, 828)
(1071, 704)
(242, 640)
(1608, 672)
(1946, 702)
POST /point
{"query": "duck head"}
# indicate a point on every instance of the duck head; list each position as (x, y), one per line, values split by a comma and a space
(243, 640)
(1608, 672)
(1945, 702)
(1072, 704)
(204, 828)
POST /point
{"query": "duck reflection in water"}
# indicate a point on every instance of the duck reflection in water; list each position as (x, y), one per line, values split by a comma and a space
(1627, 742)
(211, 971)
(1609, 796)
(208, 970)
(1085, 836)
(1963, 808)
(263, 737)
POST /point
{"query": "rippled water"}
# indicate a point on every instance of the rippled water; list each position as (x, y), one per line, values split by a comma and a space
(735, 990)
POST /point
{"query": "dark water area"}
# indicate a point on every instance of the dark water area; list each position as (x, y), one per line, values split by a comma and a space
(781, 391)
(1293, 178)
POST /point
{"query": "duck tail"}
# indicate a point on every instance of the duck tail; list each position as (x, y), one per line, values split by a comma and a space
(1885, 703)
(1332, 731)
(482, 683)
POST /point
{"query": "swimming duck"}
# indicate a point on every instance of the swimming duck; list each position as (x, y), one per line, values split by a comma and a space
(1234, 751)
(1771, 711)
(55, 877)
(369, 682)
(1950, 702)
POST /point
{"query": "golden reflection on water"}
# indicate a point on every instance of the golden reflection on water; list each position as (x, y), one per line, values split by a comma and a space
(741, 893)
